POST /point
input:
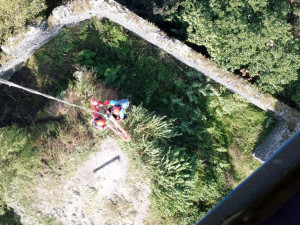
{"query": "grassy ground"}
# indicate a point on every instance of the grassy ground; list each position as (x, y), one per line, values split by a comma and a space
(194, 137)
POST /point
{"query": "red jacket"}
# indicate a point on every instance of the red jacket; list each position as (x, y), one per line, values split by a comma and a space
(96, 116)
(95, 107)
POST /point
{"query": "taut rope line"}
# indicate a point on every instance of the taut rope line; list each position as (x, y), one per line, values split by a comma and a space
(48, 96)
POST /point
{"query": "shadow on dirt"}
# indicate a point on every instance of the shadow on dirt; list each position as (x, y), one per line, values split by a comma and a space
(19, 106)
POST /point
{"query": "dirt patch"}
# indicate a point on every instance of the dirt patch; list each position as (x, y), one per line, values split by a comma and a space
(112, 195)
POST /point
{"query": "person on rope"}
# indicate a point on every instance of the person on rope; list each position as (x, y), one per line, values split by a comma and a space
(97, 121)
(117, 108)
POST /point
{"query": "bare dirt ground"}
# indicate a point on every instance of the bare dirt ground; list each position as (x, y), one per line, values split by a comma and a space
(115, 194)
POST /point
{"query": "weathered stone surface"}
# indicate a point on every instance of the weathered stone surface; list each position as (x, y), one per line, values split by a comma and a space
(72, 14)
(62, 12)
(22, 50)
(276, 139)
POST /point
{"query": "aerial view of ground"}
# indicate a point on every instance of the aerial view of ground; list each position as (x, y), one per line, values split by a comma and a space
(192, 135)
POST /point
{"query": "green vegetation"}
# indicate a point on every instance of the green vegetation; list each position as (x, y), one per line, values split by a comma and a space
(7, 217)
(15, 14)
(56, 136)
(194, 137)
(152, 9)
(19, 159)
(254, 38)
(258, 39)
(251, 35)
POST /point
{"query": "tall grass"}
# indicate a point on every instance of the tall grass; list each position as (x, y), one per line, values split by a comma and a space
(173, 171)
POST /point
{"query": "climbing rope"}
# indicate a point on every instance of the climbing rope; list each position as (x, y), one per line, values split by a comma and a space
(49, 96)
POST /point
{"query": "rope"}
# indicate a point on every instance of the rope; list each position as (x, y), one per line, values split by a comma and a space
(49, 96)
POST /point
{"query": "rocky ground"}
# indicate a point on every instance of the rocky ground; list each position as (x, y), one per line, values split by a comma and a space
(115, 194)
(277, 138)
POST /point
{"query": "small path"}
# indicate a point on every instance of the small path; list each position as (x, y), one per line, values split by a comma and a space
(70, 14)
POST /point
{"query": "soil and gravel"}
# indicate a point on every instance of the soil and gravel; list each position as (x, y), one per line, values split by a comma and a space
(115, 194)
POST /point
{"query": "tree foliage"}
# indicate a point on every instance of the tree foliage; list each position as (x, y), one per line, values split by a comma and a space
(15, 14)
(252, 34)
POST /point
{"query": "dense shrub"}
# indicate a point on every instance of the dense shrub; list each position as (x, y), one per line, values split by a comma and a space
(291, 93)
(252, 35)
(295, 17)
(153, 9)
(9, 217)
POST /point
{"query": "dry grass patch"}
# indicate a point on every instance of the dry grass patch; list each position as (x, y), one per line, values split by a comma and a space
(243, 166)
